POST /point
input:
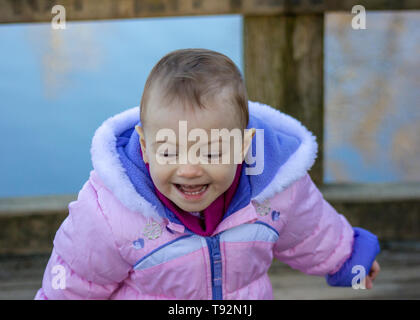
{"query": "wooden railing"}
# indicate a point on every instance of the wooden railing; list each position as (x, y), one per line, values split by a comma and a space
(15, 11)
(283, 66)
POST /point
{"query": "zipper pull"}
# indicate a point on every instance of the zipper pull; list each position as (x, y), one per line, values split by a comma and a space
(216, 247)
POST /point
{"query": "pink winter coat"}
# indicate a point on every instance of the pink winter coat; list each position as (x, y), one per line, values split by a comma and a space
(113, 245)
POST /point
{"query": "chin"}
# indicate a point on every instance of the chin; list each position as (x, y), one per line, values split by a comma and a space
(193, 208)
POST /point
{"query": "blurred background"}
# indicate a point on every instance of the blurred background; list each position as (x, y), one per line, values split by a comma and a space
(58, 86)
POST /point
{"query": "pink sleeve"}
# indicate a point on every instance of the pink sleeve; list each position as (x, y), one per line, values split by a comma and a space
(315, 238)
(85, 262)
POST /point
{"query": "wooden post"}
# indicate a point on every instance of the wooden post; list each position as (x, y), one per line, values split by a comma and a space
(283, 66)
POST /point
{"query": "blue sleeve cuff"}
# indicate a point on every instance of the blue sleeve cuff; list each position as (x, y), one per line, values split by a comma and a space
(365, 249)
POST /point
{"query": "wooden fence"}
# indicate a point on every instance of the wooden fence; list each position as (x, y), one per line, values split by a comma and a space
(283, 66)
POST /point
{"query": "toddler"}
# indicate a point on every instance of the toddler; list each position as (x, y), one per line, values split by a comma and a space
(163, 216)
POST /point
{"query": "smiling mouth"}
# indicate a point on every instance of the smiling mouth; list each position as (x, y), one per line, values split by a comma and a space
(192, 189)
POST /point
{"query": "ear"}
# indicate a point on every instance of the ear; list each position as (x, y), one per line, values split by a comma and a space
(142, 143)
(248, 135)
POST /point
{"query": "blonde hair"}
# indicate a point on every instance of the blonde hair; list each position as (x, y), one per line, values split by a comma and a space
(191, 75)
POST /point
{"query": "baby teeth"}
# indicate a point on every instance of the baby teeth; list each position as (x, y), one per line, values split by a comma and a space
(196, 192)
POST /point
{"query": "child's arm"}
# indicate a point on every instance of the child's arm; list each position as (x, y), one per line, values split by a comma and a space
(317, 240)
(85, 262)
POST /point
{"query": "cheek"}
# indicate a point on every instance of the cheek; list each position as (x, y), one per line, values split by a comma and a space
(160, 174)
(223, 175)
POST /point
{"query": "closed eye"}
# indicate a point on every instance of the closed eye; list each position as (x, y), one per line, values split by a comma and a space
(213, 155)
(167, 155)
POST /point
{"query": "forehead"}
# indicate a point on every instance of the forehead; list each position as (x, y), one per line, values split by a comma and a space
(218, 114)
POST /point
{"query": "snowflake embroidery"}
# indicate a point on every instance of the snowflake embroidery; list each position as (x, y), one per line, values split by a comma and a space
(152, 230)
(262, 208)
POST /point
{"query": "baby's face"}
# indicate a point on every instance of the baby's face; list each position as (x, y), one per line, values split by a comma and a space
(191, 186)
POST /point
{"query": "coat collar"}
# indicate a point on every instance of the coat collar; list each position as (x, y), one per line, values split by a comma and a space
(284, 163)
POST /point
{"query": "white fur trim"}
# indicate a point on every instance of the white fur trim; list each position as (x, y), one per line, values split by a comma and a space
(107, 164)
(299, 162)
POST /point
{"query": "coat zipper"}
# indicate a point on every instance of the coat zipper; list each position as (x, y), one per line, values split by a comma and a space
(213, 244)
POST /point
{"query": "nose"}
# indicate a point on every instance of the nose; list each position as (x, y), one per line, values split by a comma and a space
(189, 170)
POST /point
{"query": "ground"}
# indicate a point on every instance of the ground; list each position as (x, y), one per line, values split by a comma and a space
(21, 276)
